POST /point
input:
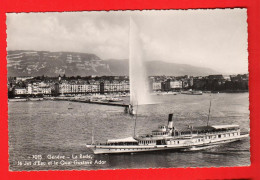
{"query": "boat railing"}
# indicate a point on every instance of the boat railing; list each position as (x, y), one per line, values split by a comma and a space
(191, 134)
(115, 144)
(144, 135)
(216, 132)
(206, 133)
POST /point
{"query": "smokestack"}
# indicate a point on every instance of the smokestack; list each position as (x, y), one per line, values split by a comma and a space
(170, 117)
(170, 122)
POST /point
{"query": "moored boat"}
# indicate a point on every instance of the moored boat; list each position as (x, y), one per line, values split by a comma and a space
(113, 99)
(192, 92)
(36, 99)
(18, 100)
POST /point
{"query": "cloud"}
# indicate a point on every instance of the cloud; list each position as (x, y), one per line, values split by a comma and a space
(65, 32)
(208, 38)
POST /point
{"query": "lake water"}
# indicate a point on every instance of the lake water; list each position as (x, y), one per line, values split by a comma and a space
(40, 130)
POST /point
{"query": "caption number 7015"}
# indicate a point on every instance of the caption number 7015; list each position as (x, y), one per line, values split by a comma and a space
(38, 157)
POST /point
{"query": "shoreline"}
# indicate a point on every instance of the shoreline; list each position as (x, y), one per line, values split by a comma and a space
(23, 99)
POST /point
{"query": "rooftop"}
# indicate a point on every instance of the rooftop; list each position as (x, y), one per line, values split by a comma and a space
(128, 139)
(225, 126)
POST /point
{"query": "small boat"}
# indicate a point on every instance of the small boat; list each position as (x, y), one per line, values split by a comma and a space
(70, 106)
(171, 138)
(192, 92)
(164, 93)
(36, 99)
(18, 100)
(169, 93)
(114, 99)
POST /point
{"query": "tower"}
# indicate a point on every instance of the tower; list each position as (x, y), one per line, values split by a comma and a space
(59, 78)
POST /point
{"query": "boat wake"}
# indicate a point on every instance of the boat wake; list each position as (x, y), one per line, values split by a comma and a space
(199, 148)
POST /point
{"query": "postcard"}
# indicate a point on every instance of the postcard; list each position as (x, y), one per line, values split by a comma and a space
(94, 90)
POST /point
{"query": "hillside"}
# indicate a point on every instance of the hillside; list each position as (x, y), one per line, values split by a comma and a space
(38, 63)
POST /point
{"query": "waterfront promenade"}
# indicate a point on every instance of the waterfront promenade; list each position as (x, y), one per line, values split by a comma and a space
(93, 102)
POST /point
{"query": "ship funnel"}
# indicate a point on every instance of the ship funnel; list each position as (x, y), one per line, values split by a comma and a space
(170, 122)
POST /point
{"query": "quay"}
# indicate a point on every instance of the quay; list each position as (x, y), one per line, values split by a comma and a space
(94, 102)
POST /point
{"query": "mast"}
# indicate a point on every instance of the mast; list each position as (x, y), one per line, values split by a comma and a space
(135, 118)
(209, 112)
(92, 138)
(130, 64)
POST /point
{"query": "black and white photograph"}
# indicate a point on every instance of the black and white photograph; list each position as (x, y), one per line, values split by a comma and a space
(93, 90)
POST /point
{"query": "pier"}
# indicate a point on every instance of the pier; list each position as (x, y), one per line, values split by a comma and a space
(94, 102)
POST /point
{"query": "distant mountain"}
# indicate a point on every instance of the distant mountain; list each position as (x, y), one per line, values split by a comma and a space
(38, 63)
(168, 69)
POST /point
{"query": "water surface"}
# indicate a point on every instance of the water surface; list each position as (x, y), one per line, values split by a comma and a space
(63, 128)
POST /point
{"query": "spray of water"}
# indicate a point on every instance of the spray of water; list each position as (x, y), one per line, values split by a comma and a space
(139, 86)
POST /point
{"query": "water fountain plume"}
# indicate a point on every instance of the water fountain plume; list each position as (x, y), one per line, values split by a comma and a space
(139, 86)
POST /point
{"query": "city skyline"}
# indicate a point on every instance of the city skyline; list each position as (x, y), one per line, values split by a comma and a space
(218, 41)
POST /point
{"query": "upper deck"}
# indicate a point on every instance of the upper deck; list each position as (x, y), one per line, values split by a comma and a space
(165, 133)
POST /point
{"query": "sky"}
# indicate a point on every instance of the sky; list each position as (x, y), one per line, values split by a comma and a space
(215, 38)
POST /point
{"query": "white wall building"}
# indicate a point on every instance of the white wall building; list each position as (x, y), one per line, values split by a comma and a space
(176, 84)
(157, 86)
(20, 91)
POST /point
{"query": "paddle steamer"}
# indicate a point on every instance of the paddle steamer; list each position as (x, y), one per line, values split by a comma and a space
(170, 138)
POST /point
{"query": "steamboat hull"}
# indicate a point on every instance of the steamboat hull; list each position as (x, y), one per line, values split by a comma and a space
(127, 149)
(110, 149)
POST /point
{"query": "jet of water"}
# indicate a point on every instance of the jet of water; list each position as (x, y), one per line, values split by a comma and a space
(139, 85)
